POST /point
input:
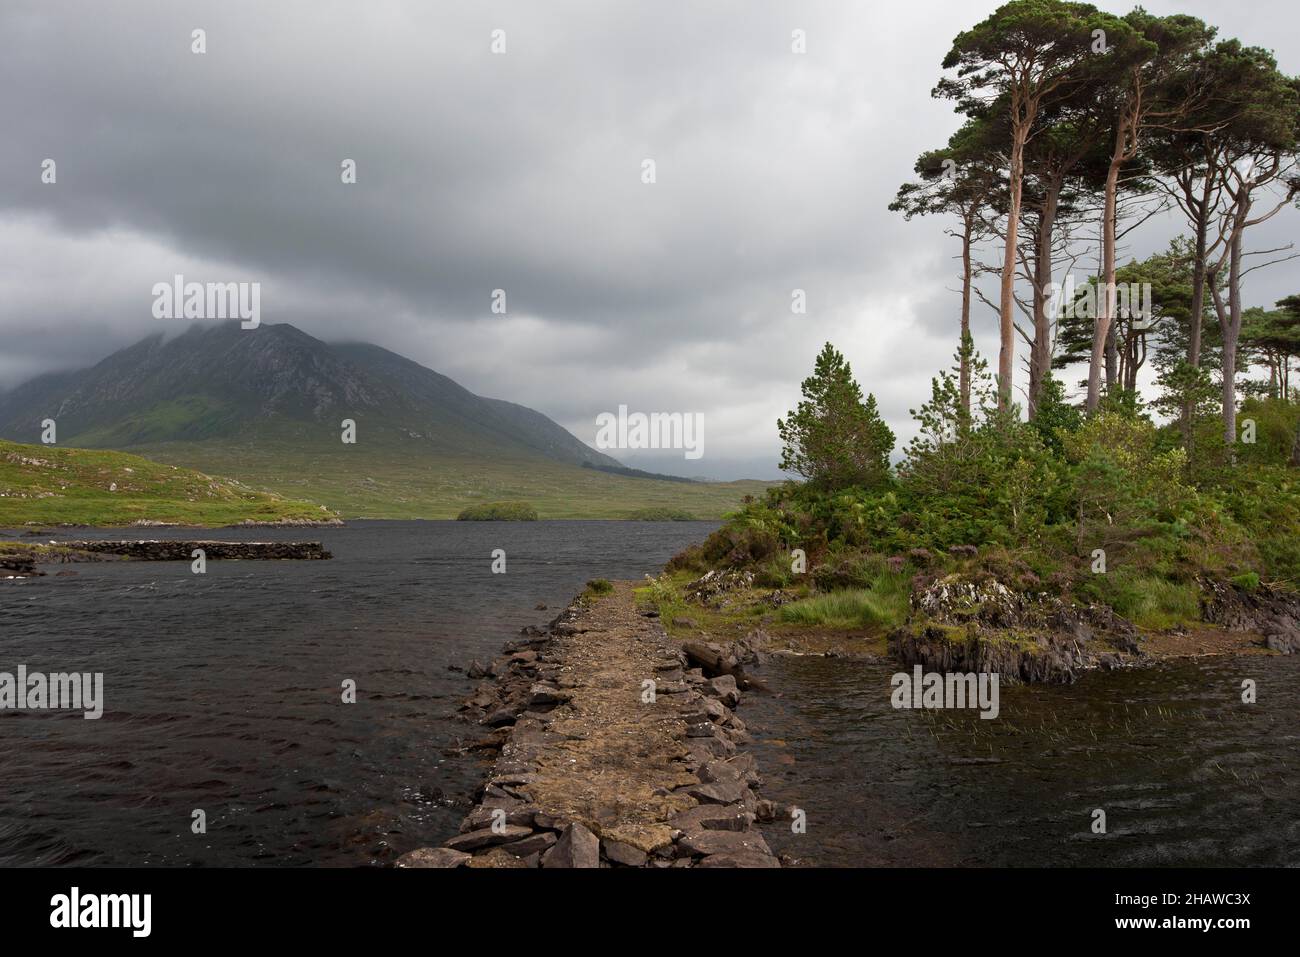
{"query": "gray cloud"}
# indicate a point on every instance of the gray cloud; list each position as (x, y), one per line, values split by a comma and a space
(521, 172)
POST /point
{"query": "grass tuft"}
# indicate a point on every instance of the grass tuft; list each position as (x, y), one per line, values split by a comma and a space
(884, 604)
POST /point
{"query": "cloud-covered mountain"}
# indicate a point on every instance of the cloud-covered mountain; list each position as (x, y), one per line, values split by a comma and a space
(272, 385)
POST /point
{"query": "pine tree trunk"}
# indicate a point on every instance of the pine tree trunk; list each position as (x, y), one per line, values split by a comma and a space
(1106, 301)
(1040, 353)
(1007, 354)
(968, 227)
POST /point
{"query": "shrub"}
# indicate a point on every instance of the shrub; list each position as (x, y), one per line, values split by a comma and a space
(1125, 488)
(660, 514)
(1277, 431)
(499, 512)
(1247, 581)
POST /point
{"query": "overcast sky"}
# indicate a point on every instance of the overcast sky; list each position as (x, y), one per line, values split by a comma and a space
(520, 171)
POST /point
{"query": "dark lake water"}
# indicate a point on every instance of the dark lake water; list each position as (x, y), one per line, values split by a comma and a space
(1185, 773)
(223, 693)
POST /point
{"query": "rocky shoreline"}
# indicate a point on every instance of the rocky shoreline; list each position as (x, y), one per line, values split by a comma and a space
(158, 550)
(961, 625)
(618, 747)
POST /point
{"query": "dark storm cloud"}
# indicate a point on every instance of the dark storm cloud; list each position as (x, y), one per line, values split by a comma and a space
(478, 171)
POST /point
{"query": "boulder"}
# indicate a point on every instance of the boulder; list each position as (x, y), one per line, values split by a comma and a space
(625, 854)
(722, 792)
(577, 847)
(533, 844)
(724, 689)
(705, 841)
(713, 817)
(432, 857)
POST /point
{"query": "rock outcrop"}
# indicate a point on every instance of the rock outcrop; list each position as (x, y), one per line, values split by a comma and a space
(961, 625)
(1269, 612)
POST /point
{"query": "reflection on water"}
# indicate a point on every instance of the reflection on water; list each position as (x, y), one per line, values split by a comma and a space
(1186, 773)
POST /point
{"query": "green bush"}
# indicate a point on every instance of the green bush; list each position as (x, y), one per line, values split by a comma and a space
(499, 512)
(1247, 581)
(1277, 430)
(660, 514)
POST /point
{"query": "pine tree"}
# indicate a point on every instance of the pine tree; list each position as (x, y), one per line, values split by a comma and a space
(834, 439)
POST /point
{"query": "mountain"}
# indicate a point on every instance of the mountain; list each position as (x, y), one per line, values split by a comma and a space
(223, 382)
(266, 406)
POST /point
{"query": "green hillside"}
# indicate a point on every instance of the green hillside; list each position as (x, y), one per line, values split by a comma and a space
(268, 406)
(49, 485)
(382, 481)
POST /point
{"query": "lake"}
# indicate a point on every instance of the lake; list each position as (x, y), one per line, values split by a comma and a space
(224, 694)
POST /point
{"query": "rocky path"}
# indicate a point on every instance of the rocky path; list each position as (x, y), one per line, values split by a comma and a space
(613, 753)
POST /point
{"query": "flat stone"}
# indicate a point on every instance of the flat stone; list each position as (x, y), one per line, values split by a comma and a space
(742, 858)
(625, 854)
(486, 837)
(517, 813)
(432, 857)
(722, 792)
(533, 844)
(577, 847)
(704, 842)
(719, 770)
(713, 817)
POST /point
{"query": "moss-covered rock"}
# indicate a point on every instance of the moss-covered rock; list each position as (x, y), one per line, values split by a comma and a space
(960, 624)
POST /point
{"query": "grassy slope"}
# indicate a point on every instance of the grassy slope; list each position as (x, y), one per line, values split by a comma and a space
(53, 485)
(361, 481)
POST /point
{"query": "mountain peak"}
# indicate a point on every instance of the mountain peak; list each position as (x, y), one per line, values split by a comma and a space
(216, 382)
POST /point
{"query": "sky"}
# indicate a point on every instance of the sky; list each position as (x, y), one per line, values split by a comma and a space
(520, 171)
